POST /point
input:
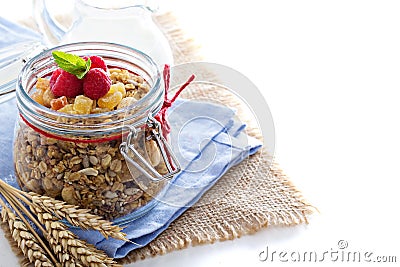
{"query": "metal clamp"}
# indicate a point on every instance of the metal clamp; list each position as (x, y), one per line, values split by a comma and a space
(167, 154)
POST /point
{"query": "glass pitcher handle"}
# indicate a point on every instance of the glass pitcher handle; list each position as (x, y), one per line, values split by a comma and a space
(11, 61)
(51, 31)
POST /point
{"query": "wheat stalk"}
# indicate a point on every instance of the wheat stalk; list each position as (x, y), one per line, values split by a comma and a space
(78, 217)
(73, 214)
(66, 246)
(26, 241)
(67, 243)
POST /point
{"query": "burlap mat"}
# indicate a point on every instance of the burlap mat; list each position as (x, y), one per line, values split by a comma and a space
(250, 196)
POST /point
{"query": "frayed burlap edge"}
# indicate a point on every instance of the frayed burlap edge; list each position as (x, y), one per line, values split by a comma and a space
(272, 201)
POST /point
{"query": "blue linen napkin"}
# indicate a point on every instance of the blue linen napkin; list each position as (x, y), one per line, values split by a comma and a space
(8, 115)
(12, 34)
(207, 140)
(16, 42)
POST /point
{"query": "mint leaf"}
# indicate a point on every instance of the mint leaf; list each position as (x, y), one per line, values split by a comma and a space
(72, 63)
(88, 63)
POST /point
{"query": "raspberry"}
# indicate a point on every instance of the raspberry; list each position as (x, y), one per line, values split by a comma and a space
(54, 76)
(66, 84)
(96, 83)
(97, 62)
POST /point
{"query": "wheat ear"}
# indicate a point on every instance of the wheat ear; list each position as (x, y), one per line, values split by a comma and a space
(70, 250)
(78, 217)
(67, 242)
(25, 240)
(73, 214)
(22, 233)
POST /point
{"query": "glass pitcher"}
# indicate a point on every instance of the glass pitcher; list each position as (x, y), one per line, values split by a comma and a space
(127, 22)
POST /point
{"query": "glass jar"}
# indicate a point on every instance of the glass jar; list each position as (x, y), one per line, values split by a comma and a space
(117, 163)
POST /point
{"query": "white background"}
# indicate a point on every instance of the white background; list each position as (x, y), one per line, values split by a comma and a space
(329, 71)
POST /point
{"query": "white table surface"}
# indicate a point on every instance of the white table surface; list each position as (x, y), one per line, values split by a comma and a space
(330, 73)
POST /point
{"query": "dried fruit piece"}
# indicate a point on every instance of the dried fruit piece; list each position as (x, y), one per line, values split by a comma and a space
(38, 96)
(69, 109)
(110, 100)
(83, 104)
(120, 87)
(96, 83)
(58, 103)
(42, 84)
(67, 84)
(127, 101)
(47, 97)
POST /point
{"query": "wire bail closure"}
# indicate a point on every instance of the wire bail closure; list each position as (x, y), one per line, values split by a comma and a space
(167, 154)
